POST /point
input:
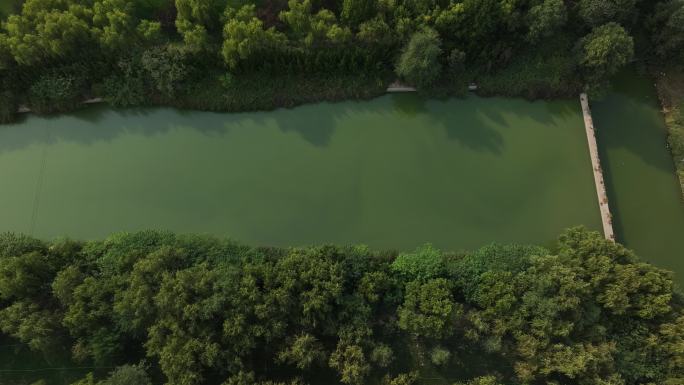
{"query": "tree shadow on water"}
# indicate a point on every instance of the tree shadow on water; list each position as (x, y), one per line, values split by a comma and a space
(409, 104)
(638, 128)
(314, 123)
(469, 124)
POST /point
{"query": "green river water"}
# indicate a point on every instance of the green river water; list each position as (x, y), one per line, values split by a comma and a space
(643, 191)
(393, 172)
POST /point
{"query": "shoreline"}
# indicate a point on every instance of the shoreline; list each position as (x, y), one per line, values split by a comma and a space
(668, 105)
(362, 92)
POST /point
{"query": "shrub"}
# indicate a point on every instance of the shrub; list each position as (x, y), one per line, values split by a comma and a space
(55, 92)
(424, 263)
(382, 355)
(166, 69)
(419, 61)
(127, 375)
(440, 356)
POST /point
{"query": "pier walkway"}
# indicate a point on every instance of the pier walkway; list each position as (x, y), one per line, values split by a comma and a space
(606, 217)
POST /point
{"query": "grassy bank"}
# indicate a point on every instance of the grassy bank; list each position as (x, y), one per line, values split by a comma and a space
(670, 85)
(258, 92)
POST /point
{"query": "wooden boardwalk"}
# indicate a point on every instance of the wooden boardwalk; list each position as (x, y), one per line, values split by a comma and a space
(606, 217)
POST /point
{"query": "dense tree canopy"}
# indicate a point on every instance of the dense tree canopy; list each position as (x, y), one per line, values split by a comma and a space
(234, 47)
(201, 311)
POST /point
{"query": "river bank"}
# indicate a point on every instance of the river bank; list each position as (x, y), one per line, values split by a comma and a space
(643, 190)
(669, 84)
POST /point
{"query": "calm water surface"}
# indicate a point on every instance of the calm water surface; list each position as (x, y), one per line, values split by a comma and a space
(394, 172)
(643, 191)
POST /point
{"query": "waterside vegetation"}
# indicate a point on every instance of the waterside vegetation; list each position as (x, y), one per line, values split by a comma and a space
(670, 86)
(235, 55)
(191, 310)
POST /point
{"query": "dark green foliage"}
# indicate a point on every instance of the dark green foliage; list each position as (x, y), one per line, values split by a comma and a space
(424, 263)
(667, 29)
(545, 19)
(604, 51)
(598, 12)
(281, 53)
(122, 375)
(166, 70)
(419, 61)
(533, 74)
(429, 309)
(55, 92)
(127, 375)
(354, 12)
(8, 106)
(440, 356)
(126, 86)
(203, 311)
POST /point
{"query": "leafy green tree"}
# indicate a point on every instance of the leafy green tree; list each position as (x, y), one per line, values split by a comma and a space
(121, 375)
(468, 271)
(166, 68)
(6, 58)
(47, 30)
(311, 28)
(113, 23)
(429, 309)
(382, 355)
(245, 37)
(135, 307)
(419, 61)
(545, 19)
(401, 379)
(304, 351)
(196, 20)
(127, 375)
(89, 318)
(297, 17)
(481, 28)
(89, 379)
(604, 51)
(375, 31)
(667, 26)
(598, 12)
(25, 276)
(185, 337)
(424, 263)
(351, 363)
(355, 12)
(671, 346)
(149, 31)
(440, 356)
(484, 380)
(38, 328)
